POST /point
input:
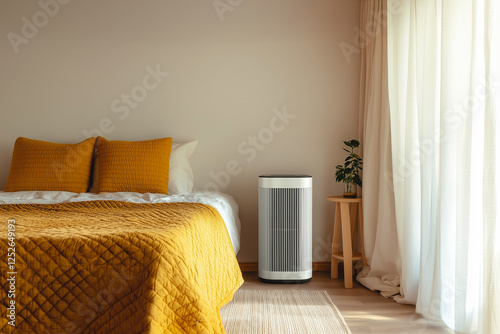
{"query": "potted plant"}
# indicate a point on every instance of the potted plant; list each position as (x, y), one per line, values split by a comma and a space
(349, 172)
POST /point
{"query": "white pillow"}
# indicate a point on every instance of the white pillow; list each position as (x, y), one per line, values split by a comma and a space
(180, 174)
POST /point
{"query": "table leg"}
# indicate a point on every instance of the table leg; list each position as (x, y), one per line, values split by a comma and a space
(353, 211)
(335, 243)
(346, 244)
(361, 234)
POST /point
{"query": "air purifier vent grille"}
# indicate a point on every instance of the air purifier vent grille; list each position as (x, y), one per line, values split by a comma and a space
(285, 230)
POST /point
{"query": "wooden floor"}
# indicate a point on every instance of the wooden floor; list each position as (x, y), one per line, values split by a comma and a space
(364, 311)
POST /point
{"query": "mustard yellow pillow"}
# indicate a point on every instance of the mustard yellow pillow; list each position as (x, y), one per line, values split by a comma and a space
(133, 166)
(40, 165)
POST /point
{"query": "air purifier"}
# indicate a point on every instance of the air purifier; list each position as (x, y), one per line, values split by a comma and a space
(285, 228)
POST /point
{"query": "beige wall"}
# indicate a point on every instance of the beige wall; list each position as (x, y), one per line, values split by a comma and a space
(229, 75)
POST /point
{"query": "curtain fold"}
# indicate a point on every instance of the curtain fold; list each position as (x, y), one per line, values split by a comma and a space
(380, 234)
(489, 321)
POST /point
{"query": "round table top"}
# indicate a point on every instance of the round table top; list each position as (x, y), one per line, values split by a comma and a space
(344, 199)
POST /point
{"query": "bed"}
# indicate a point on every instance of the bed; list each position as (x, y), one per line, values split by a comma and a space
(117, 261)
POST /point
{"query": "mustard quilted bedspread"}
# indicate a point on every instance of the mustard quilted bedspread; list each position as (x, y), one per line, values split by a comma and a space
(115, 267)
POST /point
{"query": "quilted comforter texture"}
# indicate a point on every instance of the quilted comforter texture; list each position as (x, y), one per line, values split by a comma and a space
(115, 267)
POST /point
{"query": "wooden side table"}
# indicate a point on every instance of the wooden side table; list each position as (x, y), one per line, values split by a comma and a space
(346, 210)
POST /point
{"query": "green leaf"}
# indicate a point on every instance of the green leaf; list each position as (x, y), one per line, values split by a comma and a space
(354, 143)
(358, 181)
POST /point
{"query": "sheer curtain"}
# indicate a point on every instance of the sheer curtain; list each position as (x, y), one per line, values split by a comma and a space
(444, 93)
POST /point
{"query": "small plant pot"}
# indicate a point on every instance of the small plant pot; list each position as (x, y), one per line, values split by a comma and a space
(350, 190)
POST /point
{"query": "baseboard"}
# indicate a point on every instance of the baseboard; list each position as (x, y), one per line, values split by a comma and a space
(321, 266)
(248, 266)
(253, 266)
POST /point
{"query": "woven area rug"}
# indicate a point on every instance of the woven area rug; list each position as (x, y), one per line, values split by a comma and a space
(282, 311)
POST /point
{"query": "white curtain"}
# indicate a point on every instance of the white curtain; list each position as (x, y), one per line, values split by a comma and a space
(444, 93)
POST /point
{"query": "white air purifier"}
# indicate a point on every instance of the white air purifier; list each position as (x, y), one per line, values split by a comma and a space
(285, 228)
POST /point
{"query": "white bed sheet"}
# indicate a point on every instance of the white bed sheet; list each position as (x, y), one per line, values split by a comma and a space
(223, 203)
